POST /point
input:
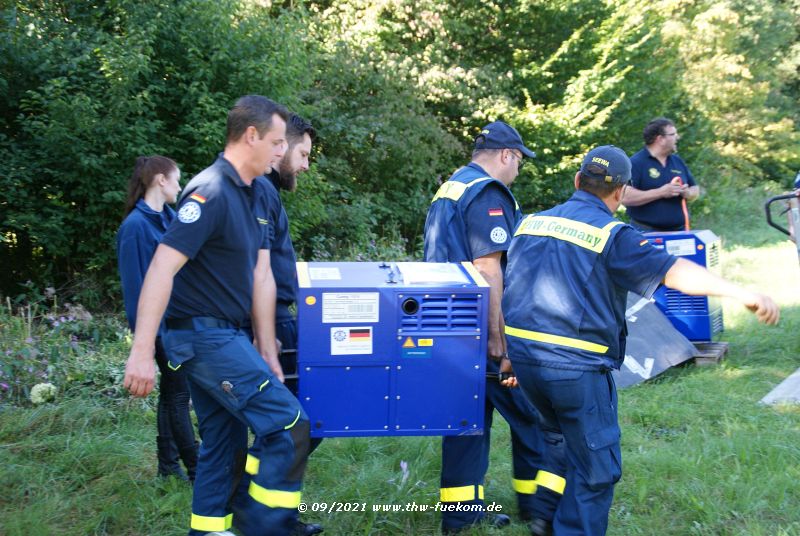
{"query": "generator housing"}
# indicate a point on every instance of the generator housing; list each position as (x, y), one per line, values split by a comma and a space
(698, 318)
(392, 349)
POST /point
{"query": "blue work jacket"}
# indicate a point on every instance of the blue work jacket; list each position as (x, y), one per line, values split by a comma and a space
(569, 271)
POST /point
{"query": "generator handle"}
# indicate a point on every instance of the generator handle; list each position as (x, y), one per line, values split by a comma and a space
(768, 210)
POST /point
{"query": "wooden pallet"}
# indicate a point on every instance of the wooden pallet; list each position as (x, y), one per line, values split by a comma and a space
(709, 353)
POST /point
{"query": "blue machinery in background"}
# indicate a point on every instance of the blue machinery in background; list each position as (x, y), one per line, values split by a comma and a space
(698, 318)
(394, 349)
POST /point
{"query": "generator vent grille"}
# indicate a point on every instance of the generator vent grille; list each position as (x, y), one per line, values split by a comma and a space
(678, 301)
(713, 256)
(445, 313)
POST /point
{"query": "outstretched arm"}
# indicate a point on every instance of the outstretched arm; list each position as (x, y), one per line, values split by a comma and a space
(693, 279)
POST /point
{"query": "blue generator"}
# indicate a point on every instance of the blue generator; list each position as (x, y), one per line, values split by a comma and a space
(392, 349)
(698, 318)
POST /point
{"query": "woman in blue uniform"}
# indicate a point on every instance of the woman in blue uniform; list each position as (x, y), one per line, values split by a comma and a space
(153, 184)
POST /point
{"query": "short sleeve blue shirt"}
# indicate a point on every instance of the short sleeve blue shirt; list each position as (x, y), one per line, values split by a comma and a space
(490, 219)
(647, 173)
(282, 256)
(221, 224)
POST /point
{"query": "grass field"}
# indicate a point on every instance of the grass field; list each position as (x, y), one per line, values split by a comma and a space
(701, 456)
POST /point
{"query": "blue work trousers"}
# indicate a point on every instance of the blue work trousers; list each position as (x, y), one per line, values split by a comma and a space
(465, 460)
(580, 408)
(233, 389)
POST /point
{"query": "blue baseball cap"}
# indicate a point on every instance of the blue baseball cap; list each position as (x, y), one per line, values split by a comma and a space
(500, 135)
(607, 163)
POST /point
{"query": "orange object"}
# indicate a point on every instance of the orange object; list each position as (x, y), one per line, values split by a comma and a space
(686, 225)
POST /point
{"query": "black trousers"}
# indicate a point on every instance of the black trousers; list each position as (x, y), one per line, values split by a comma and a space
(175, 431)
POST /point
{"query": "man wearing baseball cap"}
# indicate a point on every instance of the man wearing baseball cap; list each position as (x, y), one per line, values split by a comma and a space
(569, 271)
(471, 219)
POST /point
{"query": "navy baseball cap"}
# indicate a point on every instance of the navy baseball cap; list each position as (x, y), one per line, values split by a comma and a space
(500, 135)
(607, 163)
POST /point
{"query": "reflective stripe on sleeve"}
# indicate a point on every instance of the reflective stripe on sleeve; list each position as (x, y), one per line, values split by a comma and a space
(274, 498)
(211, 524)
(556, 339)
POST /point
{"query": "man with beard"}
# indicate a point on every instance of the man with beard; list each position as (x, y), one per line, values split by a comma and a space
(300, 134)
(661, 183)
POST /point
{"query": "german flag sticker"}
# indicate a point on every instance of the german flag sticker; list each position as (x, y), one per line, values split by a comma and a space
(495, 212)
(364, 333)
(197, 197)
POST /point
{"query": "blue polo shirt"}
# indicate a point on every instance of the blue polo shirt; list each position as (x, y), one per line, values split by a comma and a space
(137, 239)
(471, 216)
(647, 173)
(221, 224)
(282, 256)
(569, 271)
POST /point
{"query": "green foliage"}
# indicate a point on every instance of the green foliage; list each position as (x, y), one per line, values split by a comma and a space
(396, 89)
(96, 86)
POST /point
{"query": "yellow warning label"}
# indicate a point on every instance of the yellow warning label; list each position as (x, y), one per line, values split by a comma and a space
(425, 342)
(409, 343)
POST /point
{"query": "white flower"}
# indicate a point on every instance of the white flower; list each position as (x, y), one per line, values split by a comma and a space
(43, 392)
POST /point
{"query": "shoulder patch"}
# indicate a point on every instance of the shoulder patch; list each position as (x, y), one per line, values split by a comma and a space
(197, 197)
(495, 212)
(498, 235)
(189, 212)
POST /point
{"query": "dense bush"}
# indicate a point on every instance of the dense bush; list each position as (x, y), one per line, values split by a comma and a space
(396, 88)
(88, 87)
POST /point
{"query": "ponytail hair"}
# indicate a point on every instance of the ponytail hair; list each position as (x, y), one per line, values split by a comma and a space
(144, 171)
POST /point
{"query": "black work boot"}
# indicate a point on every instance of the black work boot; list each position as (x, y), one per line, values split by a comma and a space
(540, 527)
(306, 529)
(189, 457)
(167, 454)
(490, 520)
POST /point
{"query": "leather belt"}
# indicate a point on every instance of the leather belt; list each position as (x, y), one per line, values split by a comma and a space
(195, 322)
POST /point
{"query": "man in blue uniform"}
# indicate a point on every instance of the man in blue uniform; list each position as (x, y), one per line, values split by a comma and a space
(215, 257)
(300, 135)
(569, 271)
(661, 184)
(471, 219)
